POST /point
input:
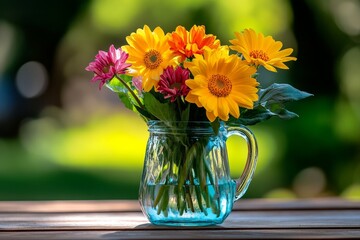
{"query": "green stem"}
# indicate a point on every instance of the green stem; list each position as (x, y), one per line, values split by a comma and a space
(159, 195)
(188, 198)
(179, 106)
(131, 92)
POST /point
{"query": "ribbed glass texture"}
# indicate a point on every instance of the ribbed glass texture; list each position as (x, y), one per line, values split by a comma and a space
(186, 179)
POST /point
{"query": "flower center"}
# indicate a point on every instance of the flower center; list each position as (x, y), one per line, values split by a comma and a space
(259, 54)
(176, 85)
(152, 59)
(219, 85)
(106, 69)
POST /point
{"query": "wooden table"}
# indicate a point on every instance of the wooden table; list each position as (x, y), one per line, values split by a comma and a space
(250, 219)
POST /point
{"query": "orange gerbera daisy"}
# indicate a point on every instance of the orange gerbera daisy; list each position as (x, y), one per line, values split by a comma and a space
(259, 50)
(187, 43)
(222, 83)
(149, 54)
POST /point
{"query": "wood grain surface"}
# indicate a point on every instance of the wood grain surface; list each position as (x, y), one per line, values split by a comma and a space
(331, 218)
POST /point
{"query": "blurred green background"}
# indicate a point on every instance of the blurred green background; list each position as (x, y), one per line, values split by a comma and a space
(62, 138)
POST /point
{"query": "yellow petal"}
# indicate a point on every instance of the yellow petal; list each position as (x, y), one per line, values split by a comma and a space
(210, 116)
(234, 108)
(270, 68)
(210, 103)
(223, 109)
(193, 99)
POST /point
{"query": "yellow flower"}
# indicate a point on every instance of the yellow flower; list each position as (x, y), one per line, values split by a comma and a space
(149, 54)
(222, 83)
(259, 50)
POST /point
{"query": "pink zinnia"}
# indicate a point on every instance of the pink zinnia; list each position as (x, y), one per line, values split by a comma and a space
(172, 83)
(107, 64)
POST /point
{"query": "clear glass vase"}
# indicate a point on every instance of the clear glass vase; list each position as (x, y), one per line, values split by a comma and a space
(186, 178)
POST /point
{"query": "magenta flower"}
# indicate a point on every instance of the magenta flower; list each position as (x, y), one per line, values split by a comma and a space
(107, 64)
(172, 82)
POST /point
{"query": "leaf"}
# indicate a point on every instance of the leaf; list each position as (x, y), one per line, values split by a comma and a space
(126, 100)
(215, 126)
(271, 103)
(253, 116)
(280, 93)
(185, 114)
(126, 78)
(116, 86)
(286, 114)
(279, 110)
(162, 111)
(145, 113)
(158, 96)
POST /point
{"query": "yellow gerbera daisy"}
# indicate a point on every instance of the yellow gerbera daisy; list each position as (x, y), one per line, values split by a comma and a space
(222, 83)
(149, 54)
(259, 50)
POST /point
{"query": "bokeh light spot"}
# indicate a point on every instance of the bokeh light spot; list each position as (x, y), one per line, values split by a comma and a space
(269, 17)
(31, 79)
(112, 15)
(118, 141)
(347, 15)
(352, 192)
(309, 182)
(270, 147)
(281, 193)
(350, 72)
(7, 35)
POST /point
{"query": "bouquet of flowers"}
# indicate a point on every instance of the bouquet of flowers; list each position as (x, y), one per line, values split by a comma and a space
(188, 75)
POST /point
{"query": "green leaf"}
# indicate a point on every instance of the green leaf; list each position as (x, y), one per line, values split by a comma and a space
(126, 100)
(286, 114)
(216, 126)
(271, 103)
(253, 116)
(145, 113)
(126, 78)
(185, 114)
(162, 111)
(158, 96)
(280, 93)
(116, 86)
(279, 110)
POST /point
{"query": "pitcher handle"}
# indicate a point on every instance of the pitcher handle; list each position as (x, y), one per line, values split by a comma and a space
(242, 183)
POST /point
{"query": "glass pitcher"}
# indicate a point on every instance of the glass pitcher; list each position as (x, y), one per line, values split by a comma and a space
(186, 177)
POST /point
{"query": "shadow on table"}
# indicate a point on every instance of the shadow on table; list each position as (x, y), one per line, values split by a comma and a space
(151, 231)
